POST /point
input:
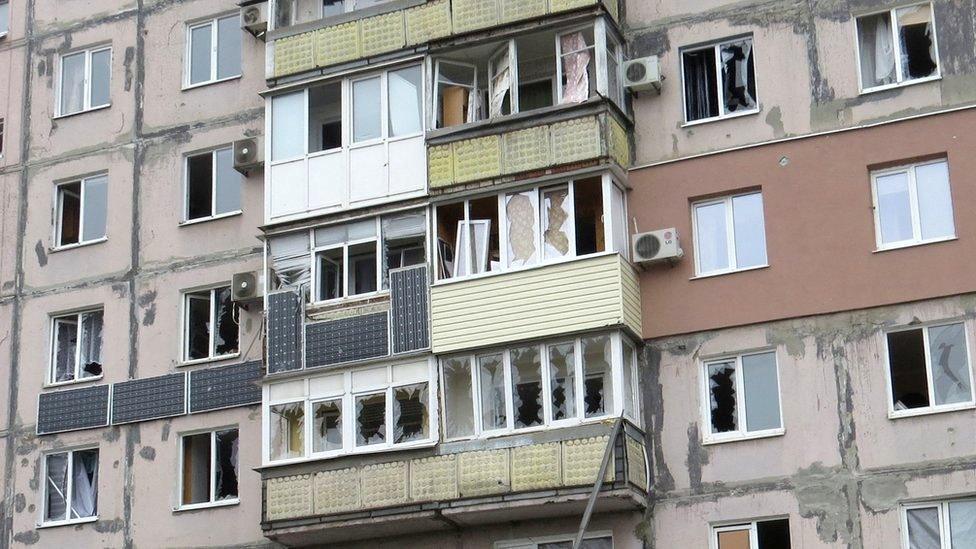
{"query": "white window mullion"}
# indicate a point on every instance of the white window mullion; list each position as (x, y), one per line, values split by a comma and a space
(578, 380)
(502, 231)
(509, 400)
(600, 51)
(740, 397)
(913, 204)
(69, 484)
(213, 323)
(81, 210)
(571, 209)
(893, 24)
(719, 85)
(465, 240)
(559, 69)
(213, 183)
(474, 372)
(345, 270)
(730, 234)
(86, 86)
(388, 411)
(214, 40)
(514, 75)
(547, 413)
(213, 466)
(928, 366)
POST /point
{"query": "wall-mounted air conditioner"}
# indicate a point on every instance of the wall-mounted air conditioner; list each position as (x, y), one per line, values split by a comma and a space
(248, 154)
(246, 287)
(642, 74)
(254, 19)
(656, 246)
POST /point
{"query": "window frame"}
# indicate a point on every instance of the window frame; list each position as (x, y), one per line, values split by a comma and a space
(896, 44)
(534, 542)
(710, 437)
(348, 396)
(69, 480)
(86, 95)
(59, 213)
(213, 187)
(942, 506)
(932, 408)
(180, 506)
(716, 47)
(315, 251)
(916, 240)
(50, 380)
(579, 387)
(729, 234)
(214, 24)
(5, 31)
(751, 525)
(185, 327)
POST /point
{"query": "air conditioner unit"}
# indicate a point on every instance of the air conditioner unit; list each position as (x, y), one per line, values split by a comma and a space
(254, 19)
(248, 154)
(642, 74)
(246, 287)
(656, 246)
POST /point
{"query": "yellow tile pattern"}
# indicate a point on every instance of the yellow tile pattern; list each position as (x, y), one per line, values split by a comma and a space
(440, 165)
(630, 295)
(613, 8)
(536, 467)
(575, 140)
(337, 491)
(289, 497)
(337, 44)
(433, 479)
(619, 144)
(478, 158)
(428, 22)
(527, 150)
(472, 15)
(565, 5)
(484, 472)
(384, 484)
(293, 54)
(636, 464)
(582, 459)
(383, 33)
(518, 10)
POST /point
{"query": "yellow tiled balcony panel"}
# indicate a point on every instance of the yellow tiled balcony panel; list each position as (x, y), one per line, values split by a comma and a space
(587, 139)
(560, 298)
(407, 28)
(464, 479)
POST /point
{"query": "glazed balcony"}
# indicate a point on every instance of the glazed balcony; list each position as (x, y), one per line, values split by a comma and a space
(537, 475)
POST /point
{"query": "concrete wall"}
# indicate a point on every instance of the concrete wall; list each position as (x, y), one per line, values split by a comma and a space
(806, 70)
(842, 467)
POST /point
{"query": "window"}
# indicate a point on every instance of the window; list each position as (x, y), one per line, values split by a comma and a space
(362, 410)
(213, 186)
(741, 395)
(940, 525)
(719, 80)
(898, 46)
(71, 486)
(730, 234)
(76, 347)
(590, 541)
(4, 18)
(761, 534)
(529, 386)
(525, 228)
(82, 207)
(208, 468)
(84, 81)
(213, 50)
(210, 325)
(929, 368)
(293, 12)
(913, 205)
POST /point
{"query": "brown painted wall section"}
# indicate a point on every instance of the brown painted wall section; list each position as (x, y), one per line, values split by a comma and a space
(819, 227)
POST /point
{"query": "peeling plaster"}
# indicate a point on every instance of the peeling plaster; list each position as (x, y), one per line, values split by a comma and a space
(148, 453)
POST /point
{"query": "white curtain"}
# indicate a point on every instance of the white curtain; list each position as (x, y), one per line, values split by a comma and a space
(884, 53)
(575, 64)
(290, 259)
(85, 480)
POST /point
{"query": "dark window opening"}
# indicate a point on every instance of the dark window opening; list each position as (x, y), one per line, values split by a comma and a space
(410, 413)
(371, 419)
(722, 394)
(593, 397)
(325, 117)
(909, 380)
(362, 268)
(228, 332)
(448, 219)
(211, 324)
(226, 481)
(918, 47)
(701, 93)
(199, 186)
(198, 325)
(527, 386)
(330, 274)
(588, 203)
(196, 469)
(773, 534)
(70, 200)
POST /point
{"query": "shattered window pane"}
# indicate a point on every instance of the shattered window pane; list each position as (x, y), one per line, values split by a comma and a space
(66, 342)
(909, 380)
(491, 374)
(917, 41)
(949, 361)
(527, 386)
(371, 419)
(556, 222)
(196, 469)
(500, 80)
(287, 424)
(225, 482)
(722, 392)
(523, 228)
(578, 59)
(924, 531)
(327, 434)
(562, 380)
(597, 376)
(227, 332)
(458, 401)
(84, 483)
(56, 487)
(738, 77)
(410, 413)
(91, 344)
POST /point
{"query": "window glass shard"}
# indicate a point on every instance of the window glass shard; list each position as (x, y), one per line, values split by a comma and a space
(562, 380)
(327, 435)
(722, 392)
(410, 413)
(371, 419)
(597, 376)
(527, 386)
(287, 425)
(226, 480)
(949, 360)
(491, 373)
(738, 76)
(66, 343)
(91, 344)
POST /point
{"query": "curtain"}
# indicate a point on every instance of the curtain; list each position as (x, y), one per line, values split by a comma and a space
(91, 344)
(699, 75)
(923, 529)
(290, 260)
(884, 53)
(575, 64)
(85, 480)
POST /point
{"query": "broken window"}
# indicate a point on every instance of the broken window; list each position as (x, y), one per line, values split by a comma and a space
(457, 97)
(527, 387)
(523, 228)
(209, 468)
(294, 12)
(929, 367)
(410, 413)
(84, 80)
(913, 205)
(214, 50)
(897, 46)
(468, 237)
(763, 534)
(210, 324)
(213, 186)
(347, 260)
(590, 226)
(501, 81)
(82, 208)
(324, 117)
(491, 380)
(458, 404)
(371, 419)
(287, 430)
(327, 430)
(941, 525)
(730, 234)
(404, 242)
(290, 261)
(597, 376)
(77, 352)
(743, 396)
(719, 80)
(562, 380)
(71, 486)
(536, 71)
(577, 63)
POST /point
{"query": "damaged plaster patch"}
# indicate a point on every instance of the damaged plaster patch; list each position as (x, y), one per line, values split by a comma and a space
(164, 436)
(774, 119)
(148, 453)
(697, 458)
(130, 54)
(20, 502)
(787, 336)
(29, 537)
(41, 254)
(147, 301)
(883, 493)
(111, 435)
(824, 494)
(108, 526)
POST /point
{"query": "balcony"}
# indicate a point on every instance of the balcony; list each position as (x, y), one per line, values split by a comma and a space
(402, 25)
(538, 475)
(560, 298)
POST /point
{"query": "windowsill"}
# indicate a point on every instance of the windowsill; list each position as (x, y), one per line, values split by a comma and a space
(342, 302)
(189, 87)
(208, 505)
(67, 247)
(70, 522)
(208, 360)
(356, 451)
(199, 220)
(85, 111)
(913, 244)
(733, 271)
(58, 384)
(931, 410)
(543, 265)
(710, 440)
(904, 84)
(720, 118)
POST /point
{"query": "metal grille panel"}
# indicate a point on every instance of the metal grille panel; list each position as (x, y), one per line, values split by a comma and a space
(72, 410)
(284, 332)
(346, 340)
(225, 387)
(410, 298)
(151, 398)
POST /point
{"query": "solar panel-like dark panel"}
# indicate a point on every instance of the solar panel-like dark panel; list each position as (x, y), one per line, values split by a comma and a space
(150, 398)
(284, 332)
(72, 410)
(409, 296)
(225, 387)
(346, 340)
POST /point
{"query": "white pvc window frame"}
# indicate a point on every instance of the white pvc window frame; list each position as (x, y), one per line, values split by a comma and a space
(742, 432)
(579, 388)
(752, 526)
(53, 355)
(69, 485)
(5, 6)
(214, 25)
(916, 239)
(534, 542)
(87, 105)
(376, 239)
(473, 90)
(945, 526)
(212, 502)
(213, 188)
(348, 395)
(932, 408)
(896, 44)
(729, 235)
(716, 47)
(187, 295)
(59, 213)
